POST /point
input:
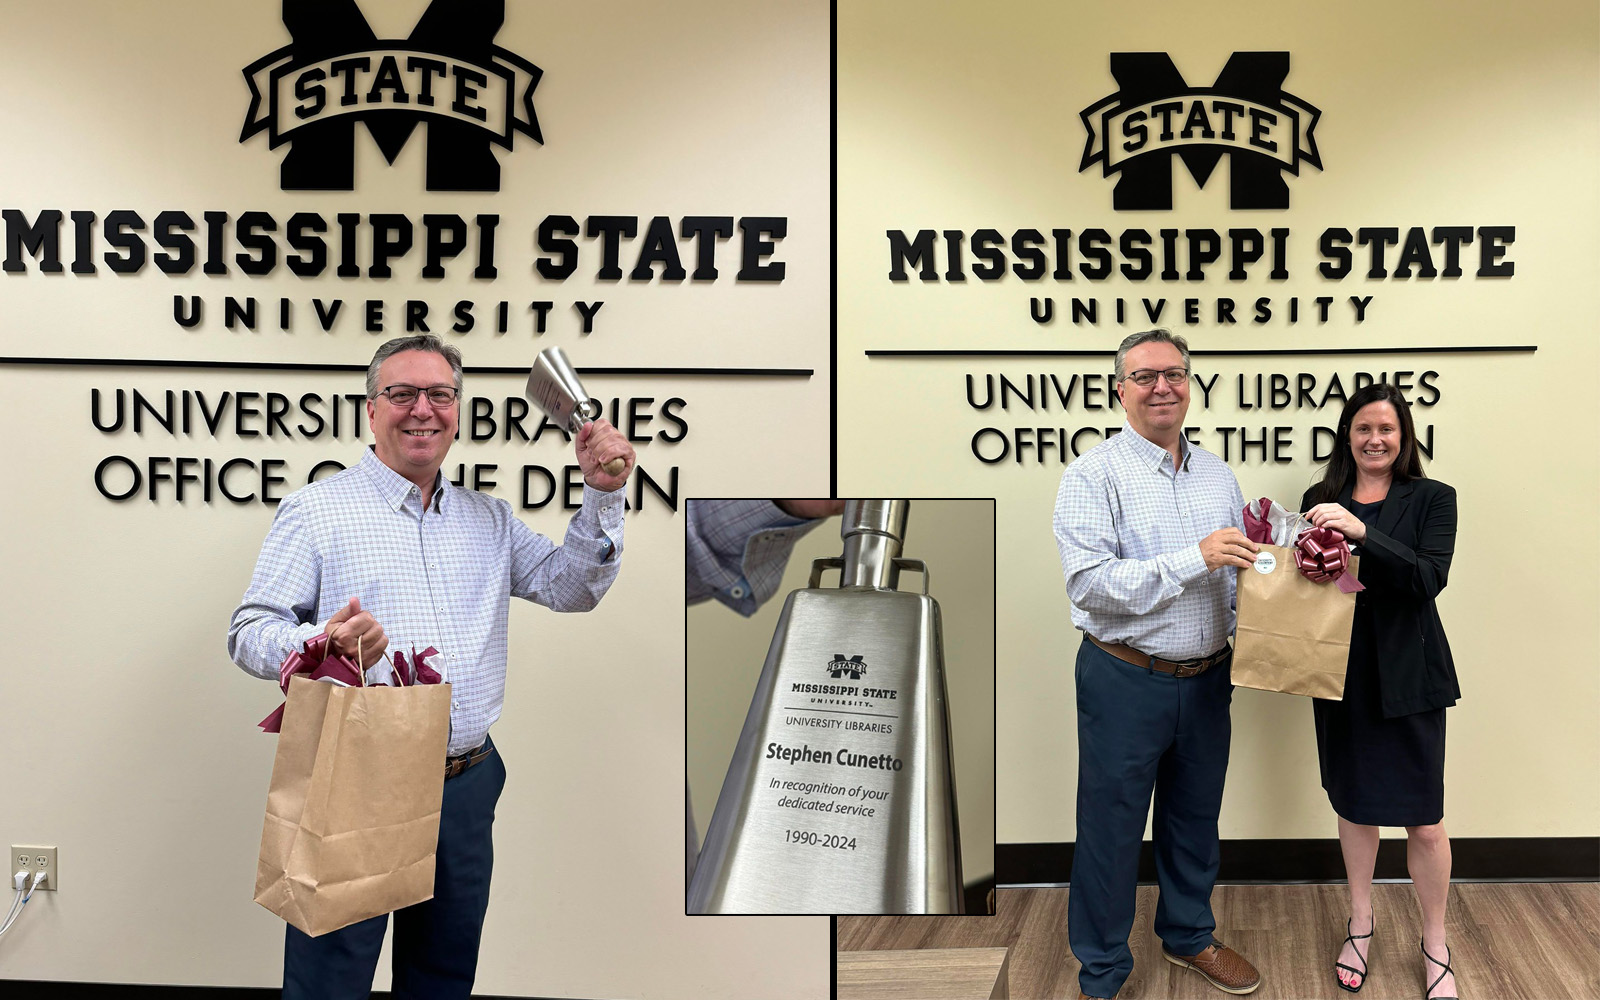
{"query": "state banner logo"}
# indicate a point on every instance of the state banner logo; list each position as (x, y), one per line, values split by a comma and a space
(336, 72)
(1155, 115)
(839, 666)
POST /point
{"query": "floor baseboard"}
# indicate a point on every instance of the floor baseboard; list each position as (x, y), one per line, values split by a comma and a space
(1511, 859)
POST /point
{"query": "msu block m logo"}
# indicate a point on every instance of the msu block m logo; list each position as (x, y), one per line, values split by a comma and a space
(839, 666)
(449, 73)
(1155, 116)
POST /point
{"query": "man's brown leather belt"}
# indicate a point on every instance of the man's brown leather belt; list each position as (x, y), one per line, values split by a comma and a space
(1187, 668)
(460, 762)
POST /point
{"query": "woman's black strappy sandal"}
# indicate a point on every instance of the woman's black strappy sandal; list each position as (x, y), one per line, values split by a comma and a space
(1427, 994)
(1351, 940)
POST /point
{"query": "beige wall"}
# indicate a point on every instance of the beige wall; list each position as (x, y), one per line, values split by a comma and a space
(725, 653)
(964, 116)
(139, 756)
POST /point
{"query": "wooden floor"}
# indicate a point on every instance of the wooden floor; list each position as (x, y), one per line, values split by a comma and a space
(923, 974)
(1511, 941)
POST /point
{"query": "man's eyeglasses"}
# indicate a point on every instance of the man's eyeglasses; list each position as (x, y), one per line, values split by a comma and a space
(1146, 377)
(406, 395)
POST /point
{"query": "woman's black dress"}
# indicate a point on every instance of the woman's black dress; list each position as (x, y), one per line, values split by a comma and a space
(1377, 771)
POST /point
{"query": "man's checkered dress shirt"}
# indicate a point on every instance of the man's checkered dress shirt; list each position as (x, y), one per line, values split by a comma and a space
(736, 550)
(438, 576)
(1129, 528)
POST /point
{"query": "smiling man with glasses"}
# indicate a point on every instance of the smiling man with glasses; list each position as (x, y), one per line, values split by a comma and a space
(389, 551)
(1148, 529)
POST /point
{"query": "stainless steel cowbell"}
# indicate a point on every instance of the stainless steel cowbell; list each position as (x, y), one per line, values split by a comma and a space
(841, 797)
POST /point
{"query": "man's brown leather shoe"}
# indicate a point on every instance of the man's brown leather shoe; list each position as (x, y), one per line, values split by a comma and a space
(1223, 967)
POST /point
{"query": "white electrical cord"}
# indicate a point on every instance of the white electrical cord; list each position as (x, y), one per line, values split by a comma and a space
(22, 898)
(18, 880)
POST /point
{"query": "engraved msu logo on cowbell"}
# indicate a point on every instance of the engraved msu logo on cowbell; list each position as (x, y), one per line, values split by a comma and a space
(839, 666)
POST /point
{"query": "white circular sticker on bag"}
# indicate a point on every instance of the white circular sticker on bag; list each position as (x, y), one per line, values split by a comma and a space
(1266, 562)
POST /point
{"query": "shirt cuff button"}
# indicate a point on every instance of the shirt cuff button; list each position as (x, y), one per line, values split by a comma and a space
(736, 592)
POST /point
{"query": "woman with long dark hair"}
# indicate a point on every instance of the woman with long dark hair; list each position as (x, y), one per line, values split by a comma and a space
(1382, 747)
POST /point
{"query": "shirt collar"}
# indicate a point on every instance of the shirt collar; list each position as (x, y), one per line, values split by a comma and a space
(391, 485)
(1151, 452)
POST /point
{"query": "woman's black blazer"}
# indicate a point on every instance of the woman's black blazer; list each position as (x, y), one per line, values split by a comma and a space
(1404, 564)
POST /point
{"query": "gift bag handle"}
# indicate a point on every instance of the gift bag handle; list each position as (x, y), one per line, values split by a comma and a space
(362, 670)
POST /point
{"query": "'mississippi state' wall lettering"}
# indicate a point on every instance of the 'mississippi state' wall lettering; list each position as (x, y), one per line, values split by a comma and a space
(1172, 255)
(381, 246)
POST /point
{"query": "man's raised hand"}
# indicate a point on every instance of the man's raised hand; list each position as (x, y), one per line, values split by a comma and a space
(601, 445)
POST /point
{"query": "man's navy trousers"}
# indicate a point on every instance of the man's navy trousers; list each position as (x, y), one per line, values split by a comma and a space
(1141, 731)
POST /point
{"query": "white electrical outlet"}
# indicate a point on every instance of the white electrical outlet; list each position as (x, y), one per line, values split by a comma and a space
(35, 859)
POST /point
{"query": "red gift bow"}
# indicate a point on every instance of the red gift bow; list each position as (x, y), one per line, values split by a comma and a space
(1322, 554)
(314, 662)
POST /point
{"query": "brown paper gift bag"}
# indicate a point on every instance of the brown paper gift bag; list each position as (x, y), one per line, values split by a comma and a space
(1292, 635)
(353, 808)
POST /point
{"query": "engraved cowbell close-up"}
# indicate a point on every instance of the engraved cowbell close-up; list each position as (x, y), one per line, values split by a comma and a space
(841, 794)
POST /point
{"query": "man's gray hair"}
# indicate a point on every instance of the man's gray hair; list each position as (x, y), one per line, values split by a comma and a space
(423, 342)
(1156, 336)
